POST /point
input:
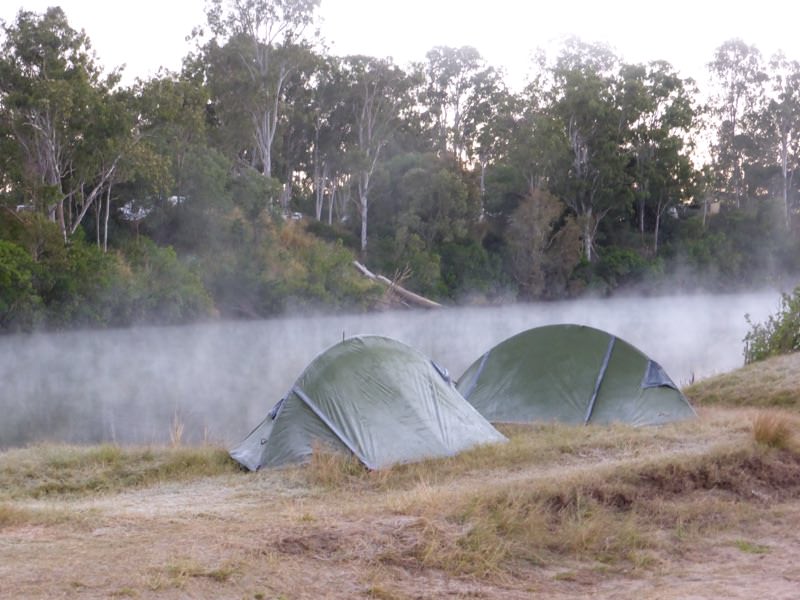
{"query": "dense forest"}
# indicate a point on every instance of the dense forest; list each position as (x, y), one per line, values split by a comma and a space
(247, 184)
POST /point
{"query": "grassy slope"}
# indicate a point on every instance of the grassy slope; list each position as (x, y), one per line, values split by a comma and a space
(774, 382)
(555, 508)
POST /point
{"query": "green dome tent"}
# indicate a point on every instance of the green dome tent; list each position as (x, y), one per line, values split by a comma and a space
(571, 374)
(375, 397)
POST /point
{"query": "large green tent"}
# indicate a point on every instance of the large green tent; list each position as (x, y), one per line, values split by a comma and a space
(375, 397)
(571, 374)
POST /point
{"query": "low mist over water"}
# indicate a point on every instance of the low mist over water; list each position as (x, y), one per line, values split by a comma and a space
(219, 380)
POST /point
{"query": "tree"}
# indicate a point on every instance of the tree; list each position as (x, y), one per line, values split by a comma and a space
(455, 79)
(738, 71)
(379, 92)
(543, 245)
(782, 124)
(585, 105)
(257, 45)
(489, 124)
(662, 114)
(68, 127)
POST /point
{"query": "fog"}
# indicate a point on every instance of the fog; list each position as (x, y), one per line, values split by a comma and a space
(220, 379)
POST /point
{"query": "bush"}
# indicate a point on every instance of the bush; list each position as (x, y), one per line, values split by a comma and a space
(20, 305)
(162, 289)
(780, 334)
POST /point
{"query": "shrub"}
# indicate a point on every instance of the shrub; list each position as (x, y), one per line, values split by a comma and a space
(779, 334)
(20, 304)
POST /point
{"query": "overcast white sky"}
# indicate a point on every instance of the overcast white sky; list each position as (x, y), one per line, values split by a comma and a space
(146, 34)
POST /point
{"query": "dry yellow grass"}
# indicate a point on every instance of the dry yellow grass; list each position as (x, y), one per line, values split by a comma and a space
(558, 512)
(56, 470)
(774, 382)
(775, 429)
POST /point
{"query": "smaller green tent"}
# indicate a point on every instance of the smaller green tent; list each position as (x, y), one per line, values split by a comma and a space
(571, 374)
(375, 397)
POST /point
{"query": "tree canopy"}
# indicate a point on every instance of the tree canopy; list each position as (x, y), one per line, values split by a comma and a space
(247, 183)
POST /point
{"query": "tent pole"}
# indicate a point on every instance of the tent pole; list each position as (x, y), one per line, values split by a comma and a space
(600, 376)
(324, 418)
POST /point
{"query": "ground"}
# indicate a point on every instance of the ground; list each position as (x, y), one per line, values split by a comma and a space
(275, 535)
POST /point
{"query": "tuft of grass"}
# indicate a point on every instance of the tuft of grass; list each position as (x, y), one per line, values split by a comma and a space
(58, 470)
(751, 548)
(180, 572)
(331, 469)
(773, 429)
(11, 516)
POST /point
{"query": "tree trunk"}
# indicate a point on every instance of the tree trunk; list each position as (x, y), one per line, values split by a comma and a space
(61, 222)
(394, 287)
(105, 226)
(657, 227)
(785, 174)
(364, 209)
(482, 214)
(98, 214)
(588, 235)
(641, 218)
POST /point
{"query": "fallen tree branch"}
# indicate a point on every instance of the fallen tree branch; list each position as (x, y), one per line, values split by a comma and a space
(399, 290)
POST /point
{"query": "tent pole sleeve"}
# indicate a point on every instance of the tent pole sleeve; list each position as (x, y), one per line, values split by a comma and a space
(474, 381)
(600, 376)
(324, 418)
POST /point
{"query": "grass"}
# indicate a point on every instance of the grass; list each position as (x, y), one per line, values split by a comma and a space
(606, 516)
(751, 548)
(637, 485)
(59, 470)
(771, 383)
(774, 429)
(540, 444)
(556, 505)
(11, 515)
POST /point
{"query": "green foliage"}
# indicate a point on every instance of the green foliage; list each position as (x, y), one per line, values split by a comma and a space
(161, 288)
(20, 304)
(779, 334)
(617, 268)
(469, 270)
(543, 246)
(85, 287)
(623, 266)
(274, 267)
(442, 159)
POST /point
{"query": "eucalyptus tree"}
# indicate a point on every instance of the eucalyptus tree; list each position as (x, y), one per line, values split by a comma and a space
(738, 72)
(781, 121)
(456, 81)
(586, 114)
(661, 110)
(379, 96)
(68, 125)
(332, 123)
(256, 47)
(489, 124)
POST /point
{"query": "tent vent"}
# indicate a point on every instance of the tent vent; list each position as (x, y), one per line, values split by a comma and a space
(654, 376)
(473, 384)
(273, 414)
(442, 371)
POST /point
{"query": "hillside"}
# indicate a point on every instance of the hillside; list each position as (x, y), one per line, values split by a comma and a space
(701, 509)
